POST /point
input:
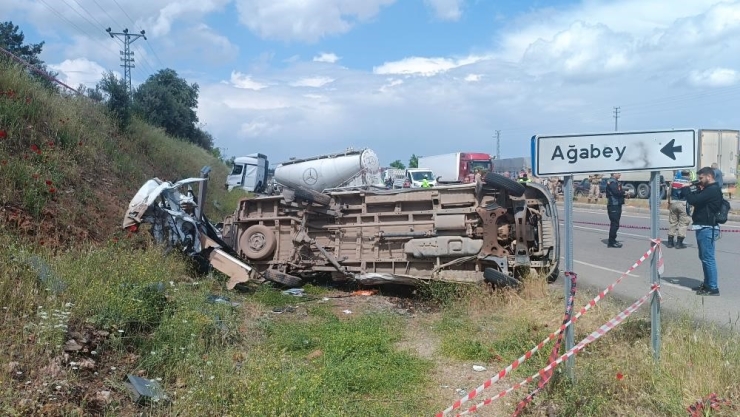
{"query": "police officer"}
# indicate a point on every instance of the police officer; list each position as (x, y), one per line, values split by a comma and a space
(678, 217)
(614, 202)
(595, 191)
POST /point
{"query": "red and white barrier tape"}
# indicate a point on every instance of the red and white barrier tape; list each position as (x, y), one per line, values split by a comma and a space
(552, 335)
(611, 324)
(555, 349)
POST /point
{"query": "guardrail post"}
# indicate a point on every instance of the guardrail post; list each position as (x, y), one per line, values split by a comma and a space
(568, 198)
(654, 276)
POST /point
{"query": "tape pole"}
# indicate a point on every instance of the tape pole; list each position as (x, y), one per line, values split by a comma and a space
(604, 329)
(655, 264)
(552, 335)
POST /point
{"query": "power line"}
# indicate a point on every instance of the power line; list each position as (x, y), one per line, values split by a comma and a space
(84, 32)
(124, 12)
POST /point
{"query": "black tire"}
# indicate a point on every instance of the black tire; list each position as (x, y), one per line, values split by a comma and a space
(553, 276)
(257, 242)
(499, 279)
(512, 187)
(282, 278)
(643, 191)
(312, 196)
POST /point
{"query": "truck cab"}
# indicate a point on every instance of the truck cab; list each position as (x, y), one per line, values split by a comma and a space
(414, 178)
(249, 173)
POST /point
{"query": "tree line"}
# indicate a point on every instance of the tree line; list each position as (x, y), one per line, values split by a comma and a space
(165, 99)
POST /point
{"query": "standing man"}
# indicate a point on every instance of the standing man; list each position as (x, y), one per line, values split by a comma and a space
(717, 175)
(678, 218)
(706, 198)
(595, 191)
(553, 185)
(614, 203)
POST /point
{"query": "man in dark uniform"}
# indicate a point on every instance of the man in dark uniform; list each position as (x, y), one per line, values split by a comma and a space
(614, 202)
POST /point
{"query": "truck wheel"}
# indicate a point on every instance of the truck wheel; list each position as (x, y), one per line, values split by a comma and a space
(282, 278)
(312, 196)
(499, 279)
(629, 189)
(257, 242)
(511, 186)
(553, 276)
(643, 191)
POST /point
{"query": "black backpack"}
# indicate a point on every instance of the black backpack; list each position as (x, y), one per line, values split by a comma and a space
(721, 216)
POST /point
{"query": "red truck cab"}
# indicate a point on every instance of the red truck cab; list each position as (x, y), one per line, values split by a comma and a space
(472, 161)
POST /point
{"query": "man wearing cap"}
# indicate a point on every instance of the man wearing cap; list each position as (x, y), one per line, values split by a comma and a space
(614, 202)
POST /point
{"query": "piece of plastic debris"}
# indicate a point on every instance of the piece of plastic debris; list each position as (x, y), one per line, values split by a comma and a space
(295, 292)
(144, 390)
(286, 309)
(347, 311)
(218, 299)
(365, 292)
(478, 368)
(325, 299)
(43, 271)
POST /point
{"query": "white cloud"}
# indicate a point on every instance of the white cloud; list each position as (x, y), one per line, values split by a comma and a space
(314, 82)
(715, 77)
(240, 80)
(305, 20)
(211, 46)
(258, 128)
(446, 9)
(471, 78)
(74, 72)
(326, 57)
(424, 66)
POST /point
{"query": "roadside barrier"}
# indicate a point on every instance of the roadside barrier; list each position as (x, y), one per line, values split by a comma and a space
(555, 350)
(655, 243)
(604, 329)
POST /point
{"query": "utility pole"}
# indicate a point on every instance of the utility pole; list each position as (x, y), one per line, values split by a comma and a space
(616, 118)
(127, 55)
(498, 144)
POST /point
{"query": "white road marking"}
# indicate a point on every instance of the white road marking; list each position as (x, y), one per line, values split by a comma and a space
(669, 284)
(607, 230)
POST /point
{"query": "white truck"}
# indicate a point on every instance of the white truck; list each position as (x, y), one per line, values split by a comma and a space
(414, 178)
(249, 172)
(715, 146)
(457, 167)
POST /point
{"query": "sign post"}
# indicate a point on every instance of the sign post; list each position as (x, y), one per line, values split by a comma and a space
(565, 155)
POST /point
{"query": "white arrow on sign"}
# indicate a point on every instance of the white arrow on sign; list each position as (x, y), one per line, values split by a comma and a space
(614, 152)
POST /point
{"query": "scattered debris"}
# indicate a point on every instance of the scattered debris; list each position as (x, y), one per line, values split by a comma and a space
(703, 406)
(218, 299)
(365, 292)
(315, 354)
(72, 346)
(144, 390)
(46, 276)
(295, 292)
(478, 368)
(347, 311)
(286, 309)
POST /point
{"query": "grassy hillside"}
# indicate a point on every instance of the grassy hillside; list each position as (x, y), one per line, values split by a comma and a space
(67, 175)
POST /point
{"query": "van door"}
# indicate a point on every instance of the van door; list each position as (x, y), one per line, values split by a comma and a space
(235, 179)
(250, 177)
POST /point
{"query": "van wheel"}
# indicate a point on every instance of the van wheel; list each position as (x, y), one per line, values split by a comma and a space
(643, 191)
(282, 278)
(257, 242)
(512, 187)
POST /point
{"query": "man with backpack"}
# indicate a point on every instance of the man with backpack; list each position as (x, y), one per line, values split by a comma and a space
(706, 198)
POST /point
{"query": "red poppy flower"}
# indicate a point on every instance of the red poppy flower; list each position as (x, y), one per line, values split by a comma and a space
(4, 162)
(41, 242)
(620, 376)
(79, 143)
(3, 134)
(48, 182)
(52, 190)
(50, 143)
(35, 149)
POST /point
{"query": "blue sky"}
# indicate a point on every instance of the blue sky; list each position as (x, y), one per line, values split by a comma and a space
(299, 78)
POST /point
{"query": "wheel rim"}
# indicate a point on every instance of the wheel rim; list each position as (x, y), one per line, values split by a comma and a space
(257, 242)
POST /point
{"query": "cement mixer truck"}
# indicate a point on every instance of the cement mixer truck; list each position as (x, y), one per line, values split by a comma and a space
(324, 173)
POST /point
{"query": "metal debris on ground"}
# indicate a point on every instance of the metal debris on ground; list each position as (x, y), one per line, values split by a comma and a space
(365, 292)
(145, 390)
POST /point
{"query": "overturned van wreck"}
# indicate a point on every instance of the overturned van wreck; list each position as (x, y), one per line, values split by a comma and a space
(494, 229)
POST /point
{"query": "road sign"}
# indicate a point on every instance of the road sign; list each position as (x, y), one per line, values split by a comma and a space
(614, 152)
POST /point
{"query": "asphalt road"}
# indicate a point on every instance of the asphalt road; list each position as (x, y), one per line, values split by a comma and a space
(598, 266)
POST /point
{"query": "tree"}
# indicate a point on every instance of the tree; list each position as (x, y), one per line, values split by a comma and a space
(168, 101)
(11, 39)
(397, 164)
(414, 161)
(117, 100)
